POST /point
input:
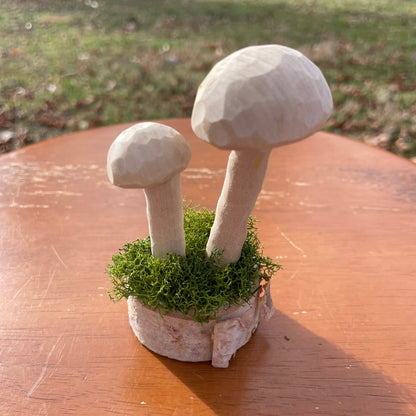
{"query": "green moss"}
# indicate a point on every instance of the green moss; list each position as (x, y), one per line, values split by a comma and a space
(193, 284)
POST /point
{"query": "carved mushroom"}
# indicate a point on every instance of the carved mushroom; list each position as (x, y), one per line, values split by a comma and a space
(151, 156)
(255, 99)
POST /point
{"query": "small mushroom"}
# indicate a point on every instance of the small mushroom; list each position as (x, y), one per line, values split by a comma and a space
(255, 99)
(151, 156)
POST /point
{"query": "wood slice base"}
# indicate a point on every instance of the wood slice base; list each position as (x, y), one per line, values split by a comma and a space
(180, 337)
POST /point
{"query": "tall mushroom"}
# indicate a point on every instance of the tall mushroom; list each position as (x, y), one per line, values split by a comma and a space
(253, 100)
(151, 156)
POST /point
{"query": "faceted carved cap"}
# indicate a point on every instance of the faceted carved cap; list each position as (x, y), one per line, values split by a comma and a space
(261, 97)
(145, 155)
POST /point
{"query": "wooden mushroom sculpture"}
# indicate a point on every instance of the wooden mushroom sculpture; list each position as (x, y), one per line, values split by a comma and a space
(253, 100)
(151, 156)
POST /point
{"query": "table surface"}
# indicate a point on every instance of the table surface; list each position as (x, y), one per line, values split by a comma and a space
(337, 214)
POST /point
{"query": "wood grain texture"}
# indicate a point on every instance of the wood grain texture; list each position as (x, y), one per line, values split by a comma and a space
(337, 214)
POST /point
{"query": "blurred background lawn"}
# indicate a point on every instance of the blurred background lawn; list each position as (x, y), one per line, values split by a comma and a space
(67, 65)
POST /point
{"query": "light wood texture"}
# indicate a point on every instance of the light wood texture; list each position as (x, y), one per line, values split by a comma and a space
(260, 97)
(253, 100)
(151, 156)
(339, 216)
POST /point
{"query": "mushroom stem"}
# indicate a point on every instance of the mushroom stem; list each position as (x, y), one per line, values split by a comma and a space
(165, 216)
(242, 184)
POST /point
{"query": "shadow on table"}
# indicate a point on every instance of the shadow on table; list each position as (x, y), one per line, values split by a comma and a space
(303, 374)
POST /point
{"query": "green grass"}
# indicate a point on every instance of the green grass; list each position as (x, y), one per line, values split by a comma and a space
(70, 65)
(195, 285)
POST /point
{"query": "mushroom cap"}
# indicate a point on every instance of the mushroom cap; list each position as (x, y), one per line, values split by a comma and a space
(146, 154)
(260, 97)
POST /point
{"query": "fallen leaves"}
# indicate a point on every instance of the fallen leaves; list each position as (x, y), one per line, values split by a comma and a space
(7, 117)
(15, 52)
(51, 119)
(93, 63)
(13, 139)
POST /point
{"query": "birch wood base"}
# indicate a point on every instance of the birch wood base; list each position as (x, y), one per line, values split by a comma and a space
(181, 338)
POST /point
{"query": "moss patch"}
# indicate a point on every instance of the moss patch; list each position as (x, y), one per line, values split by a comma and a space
(194, 284)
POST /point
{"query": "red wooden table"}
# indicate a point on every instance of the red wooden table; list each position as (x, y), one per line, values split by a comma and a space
(338, 215)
